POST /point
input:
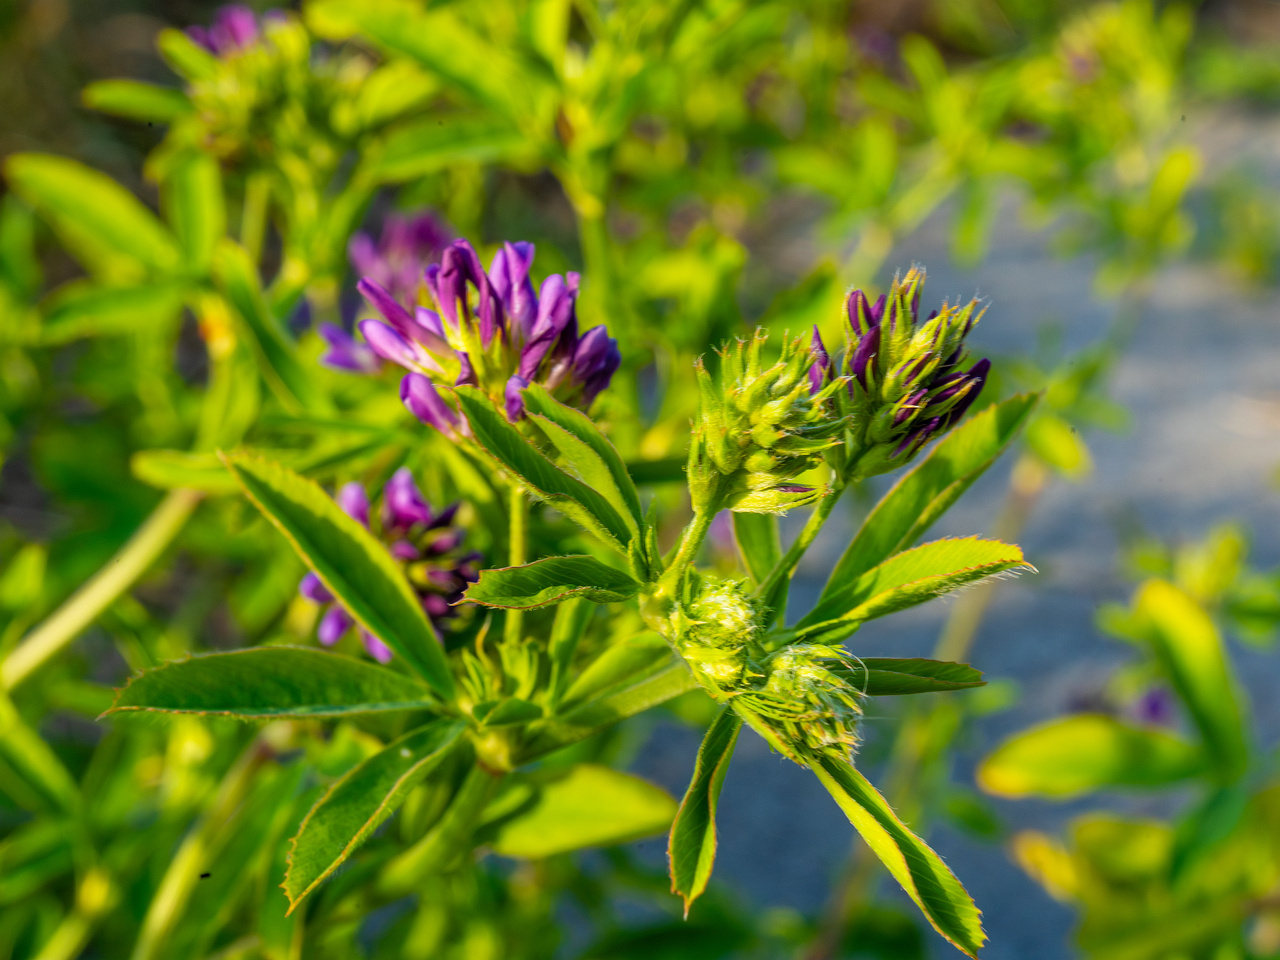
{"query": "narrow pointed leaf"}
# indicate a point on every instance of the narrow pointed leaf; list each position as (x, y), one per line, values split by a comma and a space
(194, 204)
(586, 806)
(908, 579)
(921, 872)
(550, 581)
(1079, 754)
(567, 494)
(94, 310)
(355, 806)
(351, 563)
(544, 407)
(917, 500)
(420, 147)
(692, 847)
(886, 677)
(263, 683)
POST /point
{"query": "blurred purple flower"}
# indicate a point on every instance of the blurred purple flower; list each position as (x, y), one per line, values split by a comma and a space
(395, 261)
(1156, 707)
(345, 352)
(234, 27)
(425, 543)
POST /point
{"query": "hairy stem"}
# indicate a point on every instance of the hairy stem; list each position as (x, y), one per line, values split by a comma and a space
(821, 513)
(101, 590)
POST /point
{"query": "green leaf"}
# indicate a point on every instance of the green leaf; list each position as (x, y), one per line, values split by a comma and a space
(887, 677)
(1086, 752)
(186, 57)
(587, 450)
(426, 146)
(351, 563)
(276, 355)
(30, 772)
(502, 713)
(757, 536)
(262, 683)
(1189, 649)
(1058, 444)
(586, 806)
(926, 879)
(907, 579)
(692, 847)
(437, 39)
(550, 581)
(570, 496)
(670, 470)
(170, 469)
(193, 202)
(567, 629)
(136, 100)
(623, 661)
(356, 805)
(82, 309)
(104, 225)
(917, 500)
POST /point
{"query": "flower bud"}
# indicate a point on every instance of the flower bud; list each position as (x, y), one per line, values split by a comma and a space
(762, 425)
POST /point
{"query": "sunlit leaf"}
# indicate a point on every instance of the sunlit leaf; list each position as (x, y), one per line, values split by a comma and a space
(692, 847)
(1086, 752)
(587, 806)
(136, 100)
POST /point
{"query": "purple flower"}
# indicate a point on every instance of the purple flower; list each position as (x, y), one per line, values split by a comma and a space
(419, 395)
(492, 330)
(425, 544)
(396, 260)
(234, 28)
(821, 368)
(345, 352)
(1156, 707)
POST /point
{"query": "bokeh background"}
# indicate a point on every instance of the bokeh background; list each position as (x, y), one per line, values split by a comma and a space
(1184, 434)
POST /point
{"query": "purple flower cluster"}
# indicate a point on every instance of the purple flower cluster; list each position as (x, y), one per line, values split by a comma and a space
(490, 329)
(906, 384)
(234, 28)
(425, 542)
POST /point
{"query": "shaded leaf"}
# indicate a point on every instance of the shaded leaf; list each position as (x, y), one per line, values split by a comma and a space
(266, 682)
(692, 847)
(757, 537)
(570, 496)
(886, 677)
(1086, 752)
(623, 661)
(925, 493)
(926, 879)
(550, 581)
(351, 809)
(587, 806)
(351, 563)
(90, 310)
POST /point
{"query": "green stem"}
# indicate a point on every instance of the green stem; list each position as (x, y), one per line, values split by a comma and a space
(253, 219)
(690, 540)
(99, 592)
(802, 543)
(518, 546)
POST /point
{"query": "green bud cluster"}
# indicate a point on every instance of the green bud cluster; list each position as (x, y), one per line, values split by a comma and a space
(808, 699)
(759, 427)
(716, 634)
(802, 693)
